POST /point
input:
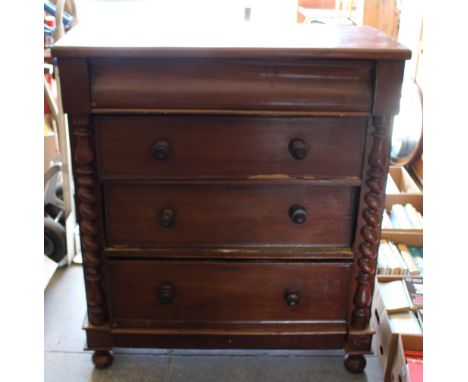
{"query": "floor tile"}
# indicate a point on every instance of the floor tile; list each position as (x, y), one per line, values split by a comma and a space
(64, 310)
(271, 369)
(77, 367)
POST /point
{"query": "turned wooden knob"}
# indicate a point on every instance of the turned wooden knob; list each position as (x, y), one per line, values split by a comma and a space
(166, 294)
(167, 218)
(298, 214)
(291, 297)
(298, 149)
(161, 150)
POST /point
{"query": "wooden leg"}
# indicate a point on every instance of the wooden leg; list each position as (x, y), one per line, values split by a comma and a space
(102, 359)
(355, 363)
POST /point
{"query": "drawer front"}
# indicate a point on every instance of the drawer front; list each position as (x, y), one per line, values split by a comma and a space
(232, 84)
(224, 291)
(208, 214)
(187, 146)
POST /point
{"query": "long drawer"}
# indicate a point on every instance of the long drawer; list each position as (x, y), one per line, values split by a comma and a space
(187, 291)
(184, 146)
(233, 84)
(209, 214)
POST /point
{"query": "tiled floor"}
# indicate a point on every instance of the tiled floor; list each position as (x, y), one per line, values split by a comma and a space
(65, 360)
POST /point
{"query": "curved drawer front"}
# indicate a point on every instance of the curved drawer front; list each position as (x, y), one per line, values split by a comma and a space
(233, 84)
(213, 214)
(184, 146)
(223, 291)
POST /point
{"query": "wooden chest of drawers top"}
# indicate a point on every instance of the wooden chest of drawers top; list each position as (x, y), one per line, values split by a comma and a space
(303, 68)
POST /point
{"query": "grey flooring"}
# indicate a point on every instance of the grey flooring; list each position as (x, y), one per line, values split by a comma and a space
(66, 361)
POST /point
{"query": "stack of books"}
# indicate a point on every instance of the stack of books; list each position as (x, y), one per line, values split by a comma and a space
(403, 300)
(399, 259)
(402, 217)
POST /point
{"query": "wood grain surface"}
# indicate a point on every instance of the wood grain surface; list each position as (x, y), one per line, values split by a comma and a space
(223, 291)
(236, 146)
(217, 83)
(228, 214)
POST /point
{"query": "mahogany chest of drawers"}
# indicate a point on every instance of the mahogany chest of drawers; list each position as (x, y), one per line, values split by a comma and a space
(230, 195)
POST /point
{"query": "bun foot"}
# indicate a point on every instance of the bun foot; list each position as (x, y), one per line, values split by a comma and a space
(102, 359)
(355, 363)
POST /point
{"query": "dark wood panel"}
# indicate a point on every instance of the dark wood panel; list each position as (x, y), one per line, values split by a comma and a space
(74, 85)
(248, 84)
(225, 291)
(227, 341)
(388, 82)
(228, 214)
(228, 146)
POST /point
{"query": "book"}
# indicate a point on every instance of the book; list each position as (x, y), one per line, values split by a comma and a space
(413, 217)
(404, 323)
(394, 296)
(391, 187)
(386, 222)
(384, 265)
(417, 255)
(420, 218)
(406, 255)
(399, 215)
(414, 287)
(392, 261)
(394, 219)
(381, 263)
(397, 254)
(418, 251)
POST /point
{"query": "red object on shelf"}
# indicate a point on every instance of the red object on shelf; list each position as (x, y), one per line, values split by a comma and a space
(414, 360)
(49, 20)
(51, 83)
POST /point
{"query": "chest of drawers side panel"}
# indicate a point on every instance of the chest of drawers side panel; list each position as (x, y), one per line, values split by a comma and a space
(74, 86)
(387, 88)
(88, 200)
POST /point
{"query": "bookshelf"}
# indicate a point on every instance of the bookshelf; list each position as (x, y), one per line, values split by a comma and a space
(402, 190)
(392, 341)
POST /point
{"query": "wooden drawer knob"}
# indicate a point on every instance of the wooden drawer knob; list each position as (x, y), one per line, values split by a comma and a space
(298, 149)
(161, 150)
(167, 218)
(166, 294)
(298, 214)
(291, 297)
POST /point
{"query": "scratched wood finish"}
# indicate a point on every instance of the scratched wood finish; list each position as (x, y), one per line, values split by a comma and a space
(228, 146)
(247, 84)
(228, 214)
(220, 291)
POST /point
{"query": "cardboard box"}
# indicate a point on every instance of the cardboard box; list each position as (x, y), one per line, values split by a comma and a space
(409, 190)
(385, 342)
(50, 150)
(399, 371)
